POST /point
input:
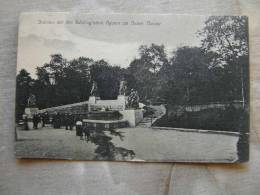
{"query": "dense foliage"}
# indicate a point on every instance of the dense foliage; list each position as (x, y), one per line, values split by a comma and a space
(229, 119)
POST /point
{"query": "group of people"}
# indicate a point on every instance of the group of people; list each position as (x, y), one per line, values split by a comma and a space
(40, 118)
(36, 119)
(59, 120)
(68, 121)
(64, 120)
(82, 131)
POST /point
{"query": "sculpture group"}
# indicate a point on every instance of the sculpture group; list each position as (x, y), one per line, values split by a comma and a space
(133, 99)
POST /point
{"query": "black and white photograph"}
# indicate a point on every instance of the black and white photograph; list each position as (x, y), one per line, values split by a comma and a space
(132, 87)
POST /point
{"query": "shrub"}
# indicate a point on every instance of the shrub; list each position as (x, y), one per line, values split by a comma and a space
(229, 119)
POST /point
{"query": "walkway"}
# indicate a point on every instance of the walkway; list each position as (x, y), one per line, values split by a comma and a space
(146, 143)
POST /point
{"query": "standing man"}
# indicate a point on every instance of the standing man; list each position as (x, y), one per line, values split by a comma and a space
(25, 121)
(46, 118)
(86, 132)
(71, 121)
(58, 120)
(43, 120)
(66, 121)
(35, 121)
(54, 120)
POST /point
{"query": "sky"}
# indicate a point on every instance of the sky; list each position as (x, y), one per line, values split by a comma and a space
(112, 37)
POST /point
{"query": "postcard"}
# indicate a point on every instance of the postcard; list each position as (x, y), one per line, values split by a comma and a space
(132, 87)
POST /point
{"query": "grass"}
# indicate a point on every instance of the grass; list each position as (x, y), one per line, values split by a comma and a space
(229, 119)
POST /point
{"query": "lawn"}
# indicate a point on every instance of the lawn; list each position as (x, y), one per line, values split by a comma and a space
(229, 119)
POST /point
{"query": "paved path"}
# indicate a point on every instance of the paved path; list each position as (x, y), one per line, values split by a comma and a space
(154, 145)
(147, 144)
(53, 143)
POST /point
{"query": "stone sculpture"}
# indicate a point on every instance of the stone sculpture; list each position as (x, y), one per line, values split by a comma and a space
(133, 99)
(94, 89)
(31, 101)
(122, 88)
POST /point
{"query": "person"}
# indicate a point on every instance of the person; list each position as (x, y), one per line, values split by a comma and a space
(62, 119)
(39, 118)
(54, 120)
(86, 132)
(58, 120)
(79, 129)
(71, 121)
(66, 121)
(45, 119)
(35, 121)
(25, 121)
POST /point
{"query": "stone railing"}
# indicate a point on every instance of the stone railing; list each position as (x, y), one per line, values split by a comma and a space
(77, 108)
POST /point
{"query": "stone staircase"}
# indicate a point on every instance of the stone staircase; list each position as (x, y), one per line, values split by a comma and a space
(147, 121)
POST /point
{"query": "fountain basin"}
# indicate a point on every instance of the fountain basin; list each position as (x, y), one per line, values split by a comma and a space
(104, 115)
(104, 124)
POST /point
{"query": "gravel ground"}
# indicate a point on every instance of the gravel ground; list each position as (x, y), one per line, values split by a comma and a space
(147, 144)
(53, 143)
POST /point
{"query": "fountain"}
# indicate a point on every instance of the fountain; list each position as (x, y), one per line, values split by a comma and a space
(106, 114)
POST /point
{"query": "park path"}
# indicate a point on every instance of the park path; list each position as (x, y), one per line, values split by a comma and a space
(53, 143)
(148, 145)
(179, 145)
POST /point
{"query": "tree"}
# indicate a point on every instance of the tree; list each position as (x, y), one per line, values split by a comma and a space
(63, 82)
(144, 72)
(228, 37)
(189, 82)
(107, 77)
(78, 78)
(49, 84)
(153, 57)
(23, 87)
(141, 79)
(56, 66)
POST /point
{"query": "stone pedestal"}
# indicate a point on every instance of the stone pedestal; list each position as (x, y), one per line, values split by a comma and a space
(132, 116)
(92, 101)
(95, 103)
(122, 101)
(29, 112)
